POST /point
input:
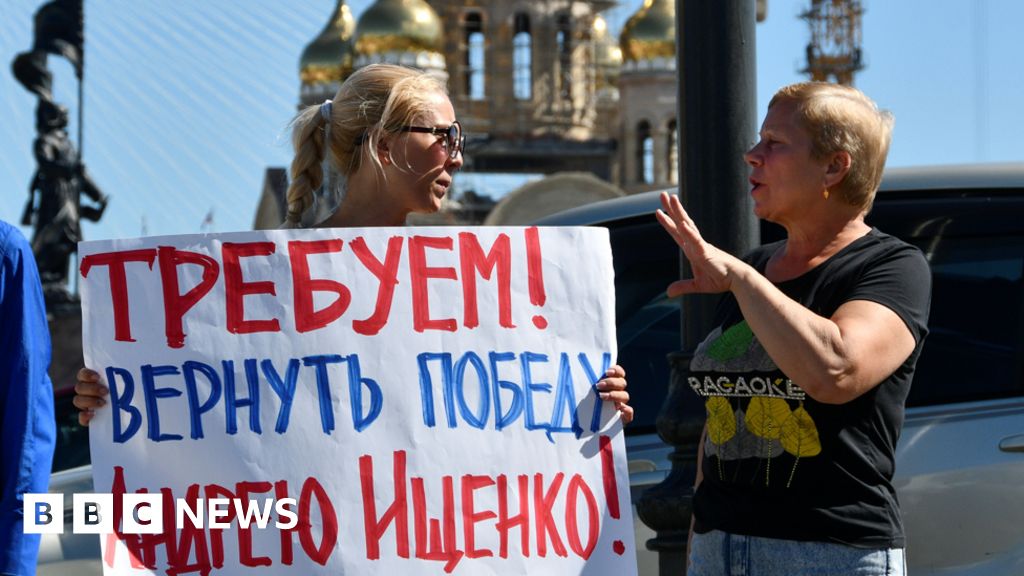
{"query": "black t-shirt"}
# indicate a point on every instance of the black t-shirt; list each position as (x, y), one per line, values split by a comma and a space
(778, 464)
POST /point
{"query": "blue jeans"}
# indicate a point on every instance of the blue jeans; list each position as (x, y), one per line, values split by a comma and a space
(721, 554)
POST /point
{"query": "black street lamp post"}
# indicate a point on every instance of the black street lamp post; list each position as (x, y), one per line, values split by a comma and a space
(717, 101)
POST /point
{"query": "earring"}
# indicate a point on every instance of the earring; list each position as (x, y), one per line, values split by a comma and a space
(825, 194)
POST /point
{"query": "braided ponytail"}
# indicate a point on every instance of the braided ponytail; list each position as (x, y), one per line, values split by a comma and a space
(307, 172)
(374, 101)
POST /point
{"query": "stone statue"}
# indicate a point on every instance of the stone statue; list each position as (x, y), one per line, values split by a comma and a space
(58, 182)
(60, 178)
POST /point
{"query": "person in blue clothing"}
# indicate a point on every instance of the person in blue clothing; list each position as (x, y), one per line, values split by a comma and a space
(27, 424)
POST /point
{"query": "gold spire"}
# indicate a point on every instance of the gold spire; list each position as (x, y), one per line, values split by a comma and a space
(405, 26)
(328, 58)
(651, 32)
(607, 54)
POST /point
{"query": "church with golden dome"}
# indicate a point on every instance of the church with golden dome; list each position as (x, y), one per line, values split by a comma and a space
(540, 86)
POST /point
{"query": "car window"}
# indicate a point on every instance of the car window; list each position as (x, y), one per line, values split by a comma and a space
(973, 352)
(973, 349)
(647, 322)
(72, 438)
(646, 337)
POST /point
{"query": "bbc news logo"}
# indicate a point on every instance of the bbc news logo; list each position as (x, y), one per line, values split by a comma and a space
(144, 513)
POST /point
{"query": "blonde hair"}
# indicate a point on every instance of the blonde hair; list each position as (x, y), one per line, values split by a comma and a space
(842, 118)
(374, 101)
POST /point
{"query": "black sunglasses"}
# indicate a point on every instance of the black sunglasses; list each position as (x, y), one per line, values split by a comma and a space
(454, 139)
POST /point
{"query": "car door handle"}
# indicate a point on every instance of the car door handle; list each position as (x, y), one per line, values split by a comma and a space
(1013, 443)
(644, 479)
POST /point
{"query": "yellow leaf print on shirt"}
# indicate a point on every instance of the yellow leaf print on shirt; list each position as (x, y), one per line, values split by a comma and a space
(721, 421)
(800, 435)
(765, 417)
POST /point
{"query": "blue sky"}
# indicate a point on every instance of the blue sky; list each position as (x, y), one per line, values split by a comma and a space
(187, 101)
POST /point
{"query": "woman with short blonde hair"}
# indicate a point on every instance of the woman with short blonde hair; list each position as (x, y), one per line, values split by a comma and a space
(806, 372)
(842, 118)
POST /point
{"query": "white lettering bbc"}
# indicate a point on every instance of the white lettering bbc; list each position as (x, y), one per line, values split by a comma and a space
(144, 513)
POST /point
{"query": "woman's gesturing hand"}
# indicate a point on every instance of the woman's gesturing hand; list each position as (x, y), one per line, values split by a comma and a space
(711, 267)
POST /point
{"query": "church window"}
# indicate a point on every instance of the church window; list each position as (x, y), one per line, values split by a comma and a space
(673, 152)
(474, 56)
(563, 38)
(522, 58)
(645, 153)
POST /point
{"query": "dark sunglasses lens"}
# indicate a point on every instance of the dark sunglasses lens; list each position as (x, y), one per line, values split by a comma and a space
(456, 140)
(453, 140)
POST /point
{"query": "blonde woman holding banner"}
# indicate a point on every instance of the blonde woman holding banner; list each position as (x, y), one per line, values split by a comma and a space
(391, 132)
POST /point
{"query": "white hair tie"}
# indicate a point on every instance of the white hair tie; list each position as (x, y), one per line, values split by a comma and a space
(325, 110)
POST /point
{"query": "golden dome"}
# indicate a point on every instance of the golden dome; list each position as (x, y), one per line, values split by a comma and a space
(399, 26)
(607, 53)
(651, 32)
(328, 58)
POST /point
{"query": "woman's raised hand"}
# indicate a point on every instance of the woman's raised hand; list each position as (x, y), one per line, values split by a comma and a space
(712, 268)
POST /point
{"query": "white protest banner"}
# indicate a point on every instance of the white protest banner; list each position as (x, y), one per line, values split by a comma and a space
(358, 401)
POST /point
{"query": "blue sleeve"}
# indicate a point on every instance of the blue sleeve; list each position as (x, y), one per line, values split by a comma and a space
(27, 425)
